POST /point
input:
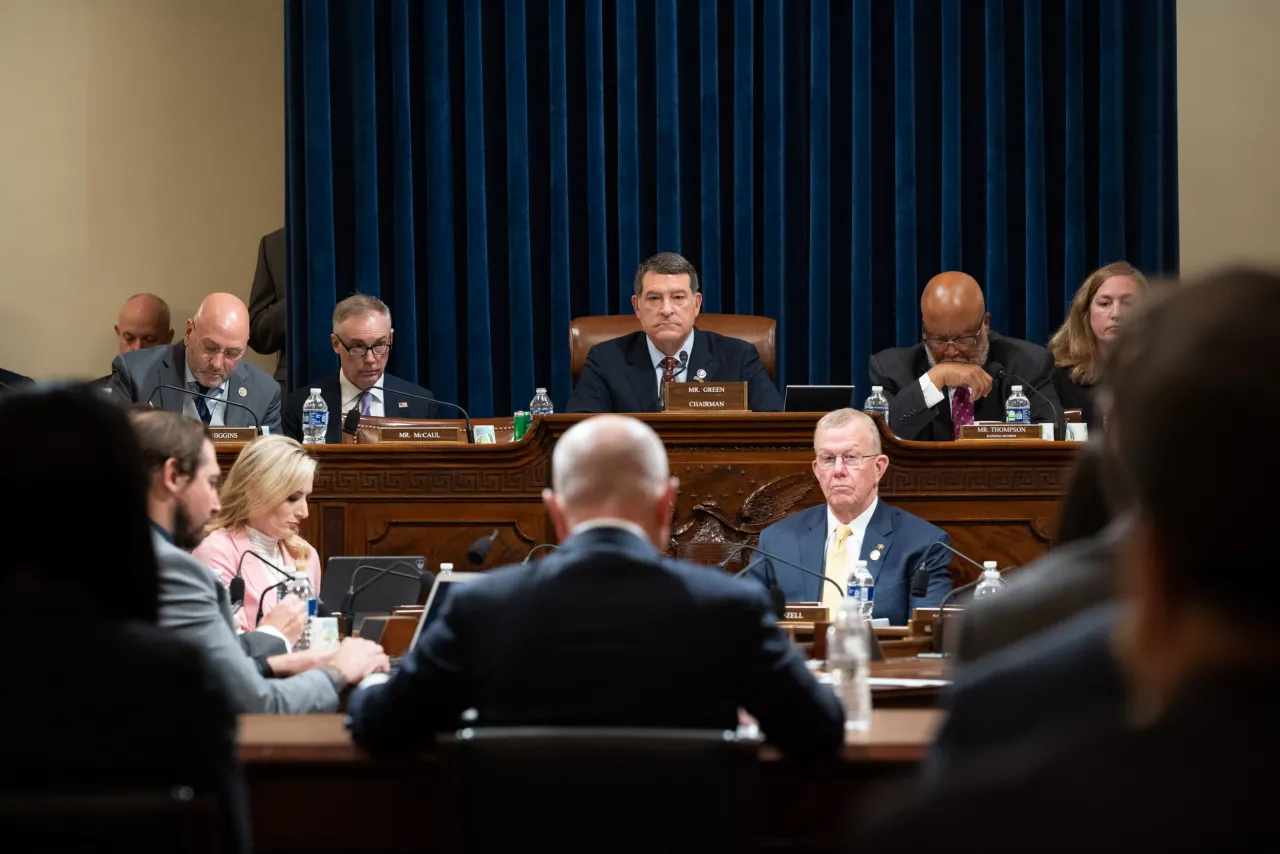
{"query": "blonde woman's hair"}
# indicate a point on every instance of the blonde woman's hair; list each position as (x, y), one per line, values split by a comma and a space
(1074, 345)
(268, 470)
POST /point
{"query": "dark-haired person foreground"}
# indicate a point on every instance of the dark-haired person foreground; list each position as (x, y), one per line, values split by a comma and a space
(625, 374)
(109, 701)
(605, 632)
(1189, 769)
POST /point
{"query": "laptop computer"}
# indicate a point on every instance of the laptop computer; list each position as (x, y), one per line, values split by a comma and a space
(819, 398)
(384, 592)
(444, 587)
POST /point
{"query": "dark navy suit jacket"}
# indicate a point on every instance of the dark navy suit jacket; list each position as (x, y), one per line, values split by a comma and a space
(905, 542)
(618, 376)
(331, 390)
(604, 632)
(9, 378)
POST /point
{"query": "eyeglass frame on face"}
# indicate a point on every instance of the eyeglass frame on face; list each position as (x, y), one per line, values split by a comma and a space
(365, 349)
(232, 354)
(960, 342)
(828, 461)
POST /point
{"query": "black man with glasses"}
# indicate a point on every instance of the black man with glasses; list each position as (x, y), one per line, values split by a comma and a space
(854, 524)
(362, 339)
(946, 380)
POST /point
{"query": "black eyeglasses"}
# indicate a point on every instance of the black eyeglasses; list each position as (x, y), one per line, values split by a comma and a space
(360, 350)
(960, 341)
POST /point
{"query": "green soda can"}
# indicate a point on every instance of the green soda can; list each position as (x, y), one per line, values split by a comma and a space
(523, 420)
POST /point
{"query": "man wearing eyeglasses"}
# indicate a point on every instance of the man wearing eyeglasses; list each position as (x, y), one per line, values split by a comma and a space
(208, 362)
(947, 381)
(854, 524)
(362, 338)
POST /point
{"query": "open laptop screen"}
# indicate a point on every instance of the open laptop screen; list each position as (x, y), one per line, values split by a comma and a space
(445, 585)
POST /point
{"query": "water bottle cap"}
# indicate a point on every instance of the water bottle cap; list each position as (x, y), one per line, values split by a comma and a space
(539, 391)
(876, 389)
(1017, 388)
(315, 391)
(446, 567)
(989, 564)
(859, 564)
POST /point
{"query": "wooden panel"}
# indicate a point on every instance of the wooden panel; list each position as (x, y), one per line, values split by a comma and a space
(738, 473)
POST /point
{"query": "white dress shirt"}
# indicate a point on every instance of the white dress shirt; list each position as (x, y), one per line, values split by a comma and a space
(656, 356)
(853, 544)
(217, 408)
(351, 396)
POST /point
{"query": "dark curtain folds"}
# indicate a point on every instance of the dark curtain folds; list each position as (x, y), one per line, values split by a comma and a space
(492, 168)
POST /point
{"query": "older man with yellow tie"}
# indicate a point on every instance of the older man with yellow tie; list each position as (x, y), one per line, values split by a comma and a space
(854, 524)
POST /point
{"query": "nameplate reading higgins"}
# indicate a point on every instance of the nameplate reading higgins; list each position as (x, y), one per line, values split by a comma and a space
(219, 435)
(706, 397)
(420, 434)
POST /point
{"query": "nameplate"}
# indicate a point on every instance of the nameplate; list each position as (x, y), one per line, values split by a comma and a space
(804, 612)
(706, 397)
(420, 434)
(218, 435)
(1007, 431)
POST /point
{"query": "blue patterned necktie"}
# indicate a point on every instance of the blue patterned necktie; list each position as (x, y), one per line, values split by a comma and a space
(202, 405)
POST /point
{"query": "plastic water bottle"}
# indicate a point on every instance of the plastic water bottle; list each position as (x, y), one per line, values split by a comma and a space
(541, 404)
(877, 402)
(1017, 409)
(848, 659)
(991, 583)
(300, 586)
(862, 588)
(315, 419)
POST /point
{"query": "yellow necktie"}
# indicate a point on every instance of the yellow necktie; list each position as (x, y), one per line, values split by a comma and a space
(838, 568)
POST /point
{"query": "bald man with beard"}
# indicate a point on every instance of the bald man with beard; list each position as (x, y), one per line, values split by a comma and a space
(208, 361)
(949, 379)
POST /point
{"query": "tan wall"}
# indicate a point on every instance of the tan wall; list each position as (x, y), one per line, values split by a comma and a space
(1228, 132)
(141, 149)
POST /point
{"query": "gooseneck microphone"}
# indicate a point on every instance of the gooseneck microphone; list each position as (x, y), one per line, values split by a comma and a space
(385, 390)
(424, 578)
(683, 356)
(539, 547)
(746, 546)
(480, 548)
(236, 586)
(1000, 372)
(257, 425)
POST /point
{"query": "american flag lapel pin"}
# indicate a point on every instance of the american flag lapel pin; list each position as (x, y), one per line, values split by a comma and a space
(404, 404)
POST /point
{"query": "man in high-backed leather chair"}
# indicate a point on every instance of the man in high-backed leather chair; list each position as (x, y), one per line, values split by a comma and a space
(626, 374)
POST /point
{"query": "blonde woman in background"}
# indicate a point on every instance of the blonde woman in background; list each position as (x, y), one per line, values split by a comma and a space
(1079, 348)
(264, 502)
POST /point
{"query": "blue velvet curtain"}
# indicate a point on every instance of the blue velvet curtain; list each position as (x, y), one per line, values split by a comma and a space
(492, 168)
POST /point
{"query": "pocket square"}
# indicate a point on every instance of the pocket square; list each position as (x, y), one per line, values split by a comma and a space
(404, 404)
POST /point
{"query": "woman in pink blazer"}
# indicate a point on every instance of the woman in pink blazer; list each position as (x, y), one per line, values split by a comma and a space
(263, 504)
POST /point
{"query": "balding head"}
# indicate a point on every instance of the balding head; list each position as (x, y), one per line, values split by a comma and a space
(954, 315)
(143, 323)
(611, 466)
(216, 338)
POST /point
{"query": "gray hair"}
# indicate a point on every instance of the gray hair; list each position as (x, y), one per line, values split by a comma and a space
(608, 459)
(845, 417)
(358, 305)
(667, 264)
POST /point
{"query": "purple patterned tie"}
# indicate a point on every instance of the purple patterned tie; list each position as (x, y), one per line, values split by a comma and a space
(366, 401)
(961, 409)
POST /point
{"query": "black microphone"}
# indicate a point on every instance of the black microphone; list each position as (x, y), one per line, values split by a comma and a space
(1000, 372)
(470, 437)
(683, 356)
(738, 550)
(263, 598)
(236, 586)
(257, 425)
(949, 548)
(352, 421)
(529, 556)
(480, 548)
(937, 637)
(920, 583)
(423, 578)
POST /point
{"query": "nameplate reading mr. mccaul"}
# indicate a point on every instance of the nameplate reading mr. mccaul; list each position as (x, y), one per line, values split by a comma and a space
(706, 397)
(218, 435)
(420, 434)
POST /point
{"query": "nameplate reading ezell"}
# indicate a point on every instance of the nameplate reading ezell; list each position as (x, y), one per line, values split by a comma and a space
(706, 397)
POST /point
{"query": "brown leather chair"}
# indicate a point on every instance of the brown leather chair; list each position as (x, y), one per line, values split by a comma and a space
(586, 332)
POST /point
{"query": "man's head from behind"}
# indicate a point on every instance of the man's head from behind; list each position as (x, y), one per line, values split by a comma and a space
(955, 321)
(182, 472)
(667, 300)
(1201, 546)
(143, 323)
(216, 337)
(362, 338)
(847, 462)
(611, 466)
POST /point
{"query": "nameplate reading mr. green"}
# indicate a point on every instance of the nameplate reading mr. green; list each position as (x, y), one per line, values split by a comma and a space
(420, 434)
(706, 397)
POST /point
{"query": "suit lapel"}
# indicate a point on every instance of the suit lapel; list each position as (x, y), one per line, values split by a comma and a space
(703, 357)
(642, 375)
(234, 416)
(169, 371)
(331, 394)
(813, 551)
(879, 533)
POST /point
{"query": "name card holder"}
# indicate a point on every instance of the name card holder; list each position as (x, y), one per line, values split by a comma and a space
(421, 434)
(1037, 432)
(231, 435)
(706, 397)
(374, 430)
(805, 612)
